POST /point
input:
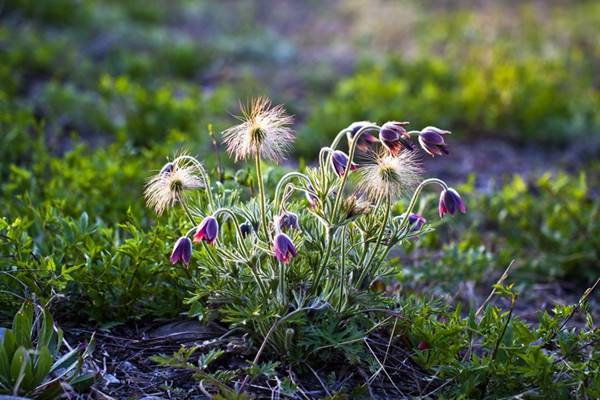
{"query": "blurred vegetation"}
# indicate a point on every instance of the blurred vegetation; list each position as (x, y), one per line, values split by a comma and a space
(95, 94)
(525, 73)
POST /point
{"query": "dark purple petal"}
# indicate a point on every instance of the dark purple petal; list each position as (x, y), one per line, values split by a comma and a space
(207, 231)
(246, 228)
(394, 137)
(451, 203)
(287, 220)
(182, 251)
(339, 161)
(284, 248)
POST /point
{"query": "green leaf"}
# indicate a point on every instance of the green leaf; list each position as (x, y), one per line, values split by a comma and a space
(21, 370)
(68, 361)
(46, 331)
(10, 344)
(83, 381)
(42, 367)
(4, 366)
(22, 325)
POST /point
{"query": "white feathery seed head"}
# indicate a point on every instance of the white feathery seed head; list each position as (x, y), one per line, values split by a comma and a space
(386, 175)
(164, 189)
(264, 128)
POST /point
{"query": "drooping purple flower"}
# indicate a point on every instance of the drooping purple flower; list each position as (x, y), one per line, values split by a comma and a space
(182, 251)
(207, 231)
(339, 161)
(451, 203)
(284, 248)
(394, 137)
(287, 220)
(431, 140)
(246, 228)
(364, 139)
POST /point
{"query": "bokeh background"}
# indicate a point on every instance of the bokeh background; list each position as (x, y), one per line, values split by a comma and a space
(94, 95)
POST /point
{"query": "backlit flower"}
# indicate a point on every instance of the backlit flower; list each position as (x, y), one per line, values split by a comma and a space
(166, 188)
(264, 129)
(207, 231)
(182, 251)
(284, 248)
(287, 220)
(364, 139)
(388, 175)
(339, 162)
(431, 140)
(451, 203)
(355, 206)
(394, 137)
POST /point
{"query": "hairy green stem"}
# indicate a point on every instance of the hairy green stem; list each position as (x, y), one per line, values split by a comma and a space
(187, 211)
(261, 194)
(415, 197)
(233, 217)
(282, 288)
(353, 145)
(205, 177)
(284, 179)
(367, 267)
(330, 237)
(342, 269)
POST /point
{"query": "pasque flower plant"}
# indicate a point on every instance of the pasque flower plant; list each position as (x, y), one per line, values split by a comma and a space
(318, 241)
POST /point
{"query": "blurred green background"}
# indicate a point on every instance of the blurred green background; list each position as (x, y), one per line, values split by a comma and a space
(94, 95)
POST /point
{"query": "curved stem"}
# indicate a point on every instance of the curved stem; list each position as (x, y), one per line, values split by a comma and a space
(205, 177)
(259, 282)
(188, 213)
(261, 194)
(324, 151)
(415, 196)
(233, 217)
(284, 179)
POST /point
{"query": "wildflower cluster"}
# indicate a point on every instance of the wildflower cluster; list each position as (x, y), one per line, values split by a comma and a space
(321, 239)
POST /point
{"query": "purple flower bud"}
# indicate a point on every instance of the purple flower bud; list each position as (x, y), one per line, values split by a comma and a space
(431, 140)
(207, 231)
(415, 224)
(339, 161)
(167, 168)
(365, 139)
(284, 248)
(246, 228)
(182, 251)
(394, 137)
(287, 220)
(451, 203)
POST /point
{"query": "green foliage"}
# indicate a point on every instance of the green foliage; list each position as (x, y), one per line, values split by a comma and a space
(31, 363)
(475, 74)
(549, 225)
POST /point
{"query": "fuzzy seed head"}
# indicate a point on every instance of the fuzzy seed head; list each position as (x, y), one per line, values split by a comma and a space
(164, 189)
(387, 175)
(264, 128)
